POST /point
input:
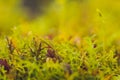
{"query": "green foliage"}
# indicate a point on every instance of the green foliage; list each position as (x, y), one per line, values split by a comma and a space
(39, 59)
(72, 40)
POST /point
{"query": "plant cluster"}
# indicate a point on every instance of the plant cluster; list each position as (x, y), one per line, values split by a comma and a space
(43, 59)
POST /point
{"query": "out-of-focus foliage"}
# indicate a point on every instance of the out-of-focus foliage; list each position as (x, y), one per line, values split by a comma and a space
(9, 14)
(80, 16)
(63, 40)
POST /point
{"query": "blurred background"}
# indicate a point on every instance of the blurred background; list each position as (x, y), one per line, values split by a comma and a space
(63, 18)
